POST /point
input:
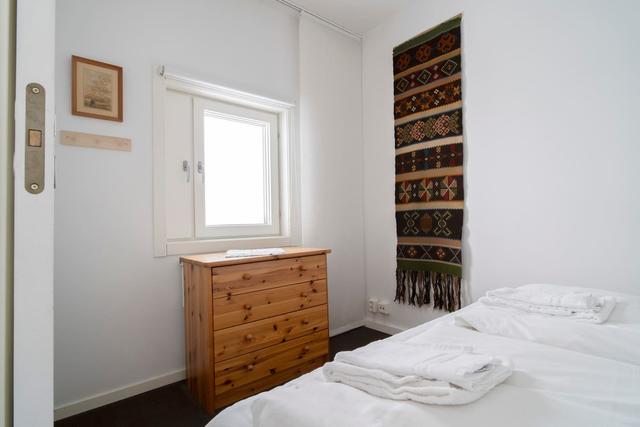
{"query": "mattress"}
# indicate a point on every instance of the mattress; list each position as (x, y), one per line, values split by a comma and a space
(566, 373)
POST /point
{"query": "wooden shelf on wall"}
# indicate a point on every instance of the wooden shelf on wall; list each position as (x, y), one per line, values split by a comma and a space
(88, 140)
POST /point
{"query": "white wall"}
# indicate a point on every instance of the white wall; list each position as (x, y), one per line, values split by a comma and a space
(552, 141)
(331, 161)
(118, 313)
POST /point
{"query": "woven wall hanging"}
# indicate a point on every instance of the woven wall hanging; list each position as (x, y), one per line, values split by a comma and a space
(429, 186)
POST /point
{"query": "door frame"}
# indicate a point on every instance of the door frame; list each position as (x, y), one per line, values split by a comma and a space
(7, 85)
(33, 223)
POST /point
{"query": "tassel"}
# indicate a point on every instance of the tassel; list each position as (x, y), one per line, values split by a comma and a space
(452, 294)
(427, 288)
(449, 291)
(425, 298)
(400, 286)
(437, 292)
(413, 276)
(420, 288)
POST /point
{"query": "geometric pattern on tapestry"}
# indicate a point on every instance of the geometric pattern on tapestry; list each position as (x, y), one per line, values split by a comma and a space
(443, 156)
(429, 189)
(441, 188)
(428, 129)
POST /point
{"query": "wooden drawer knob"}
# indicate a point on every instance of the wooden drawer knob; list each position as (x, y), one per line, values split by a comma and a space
(250, 367)
(306, 349)
(303, 294)
(246, 276)
(247, 307)
(302, 268)
(248, 337)
(305, 321)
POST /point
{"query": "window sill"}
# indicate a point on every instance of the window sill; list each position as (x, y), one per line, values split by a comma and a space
(220, 245)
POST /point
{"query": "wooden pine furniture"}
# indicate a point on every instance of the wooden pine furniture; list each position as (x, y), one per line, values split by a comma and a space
(253, 323)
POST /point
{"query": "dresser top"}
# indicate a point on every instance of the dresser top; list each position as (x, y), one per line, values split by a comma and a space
(218, 259)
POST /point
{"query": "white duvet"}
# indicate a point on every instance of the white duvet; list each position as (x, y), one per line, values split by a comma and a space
(591, 377)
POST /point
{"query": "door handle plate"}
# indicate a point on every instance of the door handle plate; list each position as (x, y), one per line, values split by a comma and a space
(34, 139)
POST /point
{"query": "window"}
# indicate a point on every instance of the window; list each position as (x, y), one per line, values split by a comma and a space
(224, 174)
(237, 158)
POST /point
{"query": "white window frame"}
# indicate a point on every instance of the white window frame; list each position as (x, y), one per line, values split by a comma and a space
(246, 115)
(288, 166)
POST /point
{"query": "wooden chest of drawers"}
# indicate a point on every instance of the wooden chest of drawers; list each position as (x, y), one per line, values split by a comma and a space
(253, 323)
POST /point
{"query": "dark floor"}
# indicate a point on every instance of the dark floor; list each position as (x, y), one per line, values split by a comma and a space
(353, 339)
(173, 406)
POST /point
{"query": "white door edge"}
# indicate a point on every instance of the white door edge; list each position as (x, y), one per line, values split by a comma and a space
(33, 227)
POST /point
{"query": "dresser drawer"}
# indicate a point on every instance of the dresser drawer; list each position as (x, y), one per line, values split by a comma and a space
(240, 371)
(267, 383)
(243, 278)
(238, 309)
(242, 339)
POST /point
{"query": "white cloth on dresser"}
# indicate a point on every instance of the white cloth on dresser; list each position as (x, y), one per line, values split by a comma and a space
(242, 253)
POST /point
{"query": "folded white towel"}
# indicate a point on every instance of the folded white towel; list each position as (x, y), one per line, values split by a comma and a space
(453, 363)
(241, 253)
(577, 300)
(571, 305)
(445, 374)
(385, 385)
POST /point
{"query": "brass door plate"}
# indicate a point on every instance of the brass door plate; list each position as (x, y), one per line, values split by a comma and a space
(34, 139)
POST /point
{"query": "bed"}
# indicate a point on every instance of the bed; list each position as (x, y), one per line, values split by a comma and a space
(566, 373)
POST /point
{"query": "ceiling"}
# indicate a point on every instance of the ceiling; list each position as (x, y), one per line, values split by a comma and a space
(358, 16)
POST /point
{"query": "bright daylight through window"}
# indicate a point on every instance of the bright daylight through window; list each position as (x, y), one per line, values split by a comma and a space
(236, 150)
(237, 183)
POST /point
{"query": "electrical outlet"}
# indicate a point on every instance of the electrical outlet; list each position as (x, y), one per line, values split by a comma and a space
(383, 307)
(373, 305)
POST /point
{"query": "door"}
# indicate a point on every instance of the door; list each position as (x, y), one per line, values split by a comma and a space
(33, 214)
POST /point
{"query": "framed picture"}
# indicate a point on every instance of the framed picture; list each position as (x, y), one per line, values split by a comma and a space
(96, 89)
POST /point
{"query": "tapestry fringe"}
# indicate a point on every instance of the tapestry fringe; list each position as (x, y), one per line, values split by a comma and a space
(417, 287)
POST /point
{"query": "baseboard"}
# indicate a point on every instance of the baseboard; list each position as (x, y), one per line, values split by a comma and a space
(387, 329)
(346, 328)
(101, 399)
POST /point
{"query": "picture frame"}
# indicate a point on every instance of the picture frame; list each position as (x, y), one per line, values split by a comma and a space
(96, 89)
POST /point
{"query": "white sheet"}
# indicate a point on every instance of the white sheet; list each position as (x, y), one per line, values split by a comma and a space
(579, 385)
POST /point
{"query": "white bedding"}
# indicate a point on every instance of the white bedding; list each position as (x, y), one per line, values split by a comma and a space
(557, 301)
(564, 375)
(428, 372)
(617, 339)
